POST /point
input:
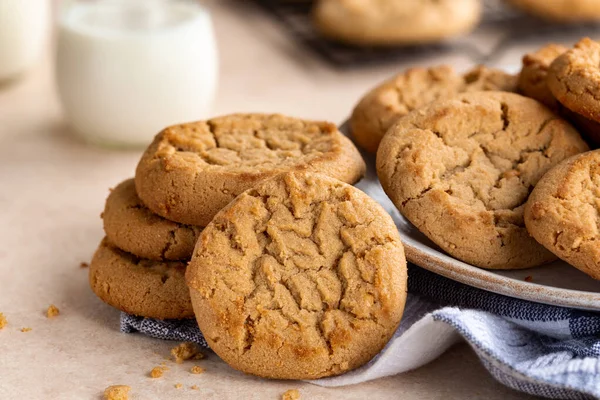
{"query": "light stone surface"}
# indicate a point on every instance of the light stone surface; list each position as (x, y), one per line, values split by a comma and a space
(53, 190)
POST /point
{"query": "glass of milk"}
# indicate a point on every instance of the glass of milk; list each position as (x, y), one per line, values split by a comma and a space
(24, 28)
(125, 69)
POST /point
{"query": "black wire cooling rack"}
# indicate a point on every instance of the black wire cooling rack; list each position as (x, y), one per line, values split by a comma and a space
(498, 19)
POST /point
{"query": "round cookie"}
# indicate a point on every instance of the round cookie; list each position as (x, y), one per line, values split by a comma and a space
(532, 79)
(561, 10)
(301, 277)
(394, 22)
(461, 170)
(414, 88)
(153, 289)
(574, 79)
(562, 212)
(191, 171)
(132, 227)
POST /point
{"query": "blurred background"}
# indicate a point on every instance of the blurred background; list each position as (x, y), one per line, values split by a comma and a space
(116, 71)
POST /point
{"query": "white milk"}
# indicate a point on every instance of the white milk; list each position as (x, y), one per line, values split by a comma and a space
(126, 69)
(24, 25)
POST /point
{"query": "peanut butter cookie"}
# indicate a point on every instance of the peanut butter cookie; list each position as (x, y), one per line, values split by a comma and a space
(301, 277)
(137, 286)
(461, 170)
(414, 88)
(561, 10)
(574, 79)
(532, 79)
(394, 22)
(193, 170)
(132, 227)
(562, 212)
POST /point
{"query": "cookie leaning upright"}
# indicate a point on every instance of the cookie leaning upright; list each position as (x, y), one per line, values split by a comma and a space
(562, 212)
(301, 277)
(394, 22)
(414, 88)
(132, 227)
(532, 79)
(191, 171)
(574, 79)
(461, 170)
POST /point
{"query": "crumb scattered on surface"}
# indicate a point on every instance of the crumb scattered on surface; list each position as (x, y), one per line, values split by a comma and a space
(528, 278)
(194, 387)
(84, 265)
(157, 372)
(52, 311)
(197, 370)
(117, 392)
(25, 329)
(292, 394)
(3, 321)
(178, 386)
(186, 351)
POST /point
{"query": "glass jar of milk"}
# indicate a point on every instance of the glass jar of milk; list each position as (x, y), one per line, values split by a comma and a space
(125, 69)
(24, 28)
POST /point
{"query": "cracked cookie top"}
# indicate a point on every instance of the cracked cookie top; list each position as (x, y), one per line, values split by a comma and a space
(532, 79)
(134, 228)
(574, 79)
(414, 88)
(563, 212)
(193, 170)
(299, 278)
(461, 170)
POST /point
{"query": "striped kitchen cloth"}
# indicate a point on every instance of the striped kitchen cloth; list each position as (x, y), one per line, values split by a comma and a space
(542, 350)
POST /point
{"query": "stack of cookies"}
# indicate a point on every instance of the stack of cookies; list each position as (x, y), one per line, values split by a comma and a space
(292, 272)
(183, 179)
(461, 155)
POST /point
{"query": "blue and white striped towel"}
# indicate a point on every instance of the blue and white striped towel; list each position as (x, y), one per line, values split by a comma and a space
(542, 350)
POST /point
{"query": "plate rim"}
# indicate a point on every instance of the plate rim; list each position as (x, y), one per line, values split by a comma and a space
(480, 278)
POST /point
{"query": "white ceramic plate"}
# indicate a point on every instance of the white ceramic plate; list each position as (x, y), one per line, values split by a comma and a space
(557, 284)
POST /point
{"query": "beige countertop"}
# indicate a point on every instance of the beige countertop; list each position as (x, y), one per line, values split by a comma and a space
(52, 191)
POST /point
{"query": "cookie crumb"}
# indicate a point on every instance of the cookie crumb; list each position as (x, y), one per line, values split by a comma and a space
(528, 278)
(194, 387)
(25, 329)
(292, 394)
(186, 351)
(83, 265)
(197, 370)
(178, 386)
(3, 321)
(117, 392)
(157, 372)
(52, 311)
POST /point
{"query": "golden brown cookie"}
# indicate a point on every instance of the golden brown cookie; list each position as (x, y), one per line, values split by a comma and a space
(562, 212)
(193, 170)
(132, 227)
(532, 79)
(154, 289)
(574, 79)
(561, 10)
(414, 88)
(461, 170)
(301, 277)
(394, 22)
